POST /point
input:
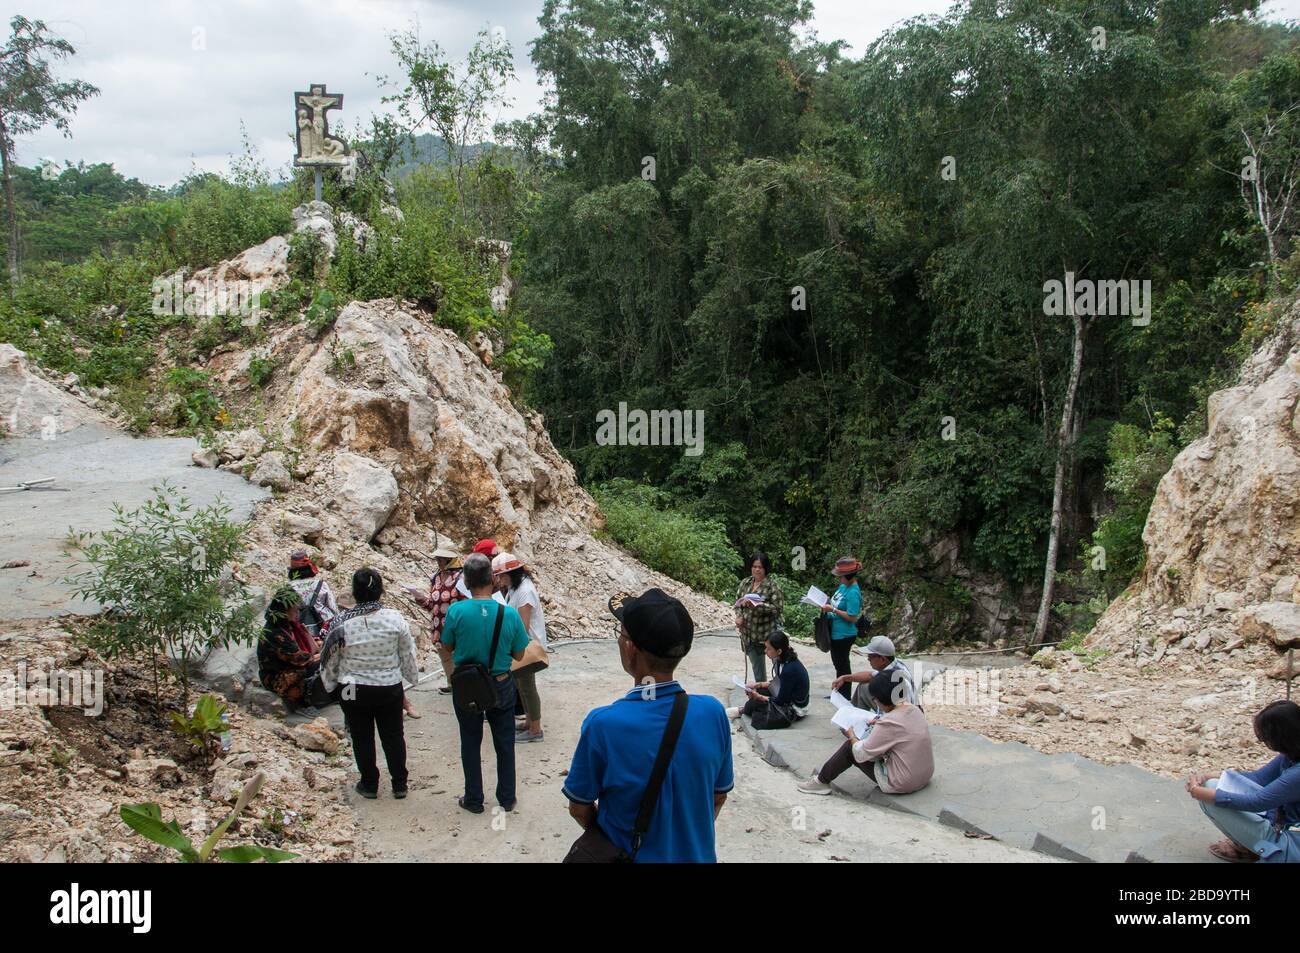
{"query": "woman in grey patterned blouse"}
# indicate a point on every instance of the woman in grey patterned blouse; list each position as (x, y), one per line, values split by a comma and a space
(759, 602)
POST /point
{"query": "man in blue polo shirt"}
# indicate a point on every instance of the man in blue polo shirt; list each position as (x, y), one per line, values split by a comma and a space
(611, 766)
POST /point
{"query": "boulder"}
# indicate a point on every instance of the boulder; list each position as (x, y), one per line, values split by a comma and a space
(205, 457)
(300, 526)
(150, 771)
(1275, 622)
(1043, 703)
(238, 446)
(364, 492)
(313, 736)
(229, 671)
(317, 217)
(271, 471)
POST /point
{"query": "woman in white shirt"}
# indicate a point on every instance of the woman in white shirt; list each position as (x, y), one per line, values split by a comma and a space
(376, 657)
(512, 578)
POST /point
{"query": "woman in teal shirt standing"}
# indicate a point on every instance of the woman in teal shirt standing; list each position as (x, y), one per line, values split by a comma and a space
(845, 608)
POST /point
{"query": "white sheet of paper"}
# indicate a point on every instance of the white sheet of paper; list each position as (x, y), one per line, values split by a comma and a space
(461, 587)
(1233, 782)
(854, 718)
(815, 597)
(737, 681)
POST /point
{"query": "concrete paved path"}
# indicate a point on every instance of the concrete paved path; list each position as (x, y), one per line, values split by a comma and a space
(1063, 805)
(95, 467)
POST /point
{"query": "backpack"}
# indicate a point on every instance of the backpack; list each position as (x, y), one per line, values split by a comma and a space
(308, 615)
(472, 686)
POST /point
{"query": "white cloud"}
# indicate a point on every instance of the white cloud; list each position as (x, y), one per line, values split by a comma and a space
(167, 107)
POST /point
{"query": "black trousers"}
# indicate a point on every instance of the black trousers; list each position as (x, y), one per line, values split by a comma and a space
(840, 649)
(842, 760)
(371, 707)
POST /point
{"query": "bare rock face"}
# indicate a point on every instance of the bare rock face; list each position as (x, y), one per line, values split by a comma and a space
(33, 405)
(1223, 534)
(1226, 516)
(365, 494)
(417, 406)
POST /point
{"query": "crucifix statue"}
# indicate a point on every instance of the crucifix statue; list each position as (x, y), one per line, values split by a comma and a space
(316, 147)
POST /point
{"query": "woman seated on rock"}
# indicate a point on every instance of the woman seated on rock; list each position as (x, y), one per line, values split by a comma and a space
(784, 700)
(287, 655)
(896, 753)
(1259, 810)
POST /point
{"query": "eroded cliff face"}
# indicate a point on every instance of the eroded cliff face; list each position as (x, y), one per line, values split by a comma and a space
(1223, 535)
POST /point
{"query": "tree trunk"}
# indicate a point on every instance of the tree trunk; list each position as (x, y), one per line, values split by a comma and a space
(11, 214)
(1064, 453)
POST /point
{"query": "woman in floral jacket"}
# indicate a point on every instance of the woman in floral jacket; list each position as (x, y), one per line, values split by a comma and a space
(287, 655)
(758, 612)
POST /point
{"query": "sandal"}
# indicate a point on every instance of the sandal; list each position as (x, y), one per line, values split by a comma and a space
(1228, 850)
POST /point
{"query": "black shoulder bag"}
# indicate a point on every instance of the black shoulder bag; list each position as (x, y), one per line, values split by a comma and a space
(472, 688)
(308, 616)
(594, 847)
(822, 631)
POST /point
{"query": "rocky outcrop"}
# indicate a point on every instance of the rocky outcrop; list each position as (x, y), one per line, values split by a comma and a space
(33, 404)
(1223, 534)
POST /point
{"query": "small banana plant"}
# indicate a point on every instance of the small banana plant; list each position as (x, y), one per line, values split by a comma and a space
(146, 820)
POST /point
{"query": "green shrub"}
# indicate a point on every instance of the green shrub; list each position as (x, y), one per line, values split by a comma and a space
(260, 371)
(689, 549)
(160, 575)
(199, 407)
(202, 729)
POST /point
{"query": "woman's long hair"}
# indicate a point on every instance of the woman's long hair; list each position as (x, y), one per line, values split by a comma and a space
(517, 577)
(781, 642)
(277, 611)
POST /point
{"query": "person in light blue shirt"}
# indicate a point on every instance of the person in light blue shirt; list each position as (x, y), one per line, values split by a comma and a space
(617, 748)
(845, 609)
(1263, 823)
(468, 634)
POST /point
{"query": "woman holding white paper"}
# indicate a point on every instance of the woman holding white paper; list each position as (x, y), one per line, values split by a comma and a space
(846, 608)
(1259, 810)
(759, 602)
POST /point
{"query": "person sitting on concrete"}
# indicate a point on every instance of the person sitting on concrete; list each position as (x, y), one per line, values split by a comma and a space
(880, 656)
(782, 701)
(896, 753)
(287, 655)
(1259, 810)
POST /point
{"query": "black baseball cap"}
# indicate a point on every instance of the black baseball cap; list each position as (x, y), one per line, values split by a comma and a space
(655, 622)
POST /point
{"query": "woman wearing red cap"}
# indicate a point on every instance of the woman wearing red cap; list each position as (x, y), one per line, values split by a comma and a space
(318, 607)
(845, 608)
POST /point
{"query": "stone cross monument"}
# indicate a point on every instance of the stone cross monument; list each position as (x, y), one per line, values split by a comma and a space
(317, 149)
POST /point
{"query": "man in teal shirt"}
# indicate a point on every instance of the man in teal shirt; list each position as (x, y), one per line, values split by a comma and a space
(468, 633)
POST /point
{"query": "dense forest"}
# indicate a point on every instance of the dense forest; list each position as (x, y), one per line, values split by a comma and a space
(841, 261)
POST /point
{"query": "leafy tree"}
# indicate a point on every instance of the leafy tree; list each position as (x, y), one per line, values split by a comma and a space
(30, 99)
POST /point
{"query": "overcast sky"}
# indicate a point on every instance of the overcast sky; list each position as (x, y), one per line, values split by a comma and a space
(177, 77)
